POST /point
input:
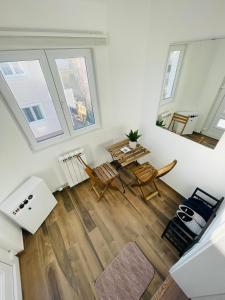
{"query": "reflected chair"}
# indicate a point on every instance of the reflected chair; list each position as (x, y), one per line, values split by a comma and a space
(146, 174)
(177, 118)
(101, 176)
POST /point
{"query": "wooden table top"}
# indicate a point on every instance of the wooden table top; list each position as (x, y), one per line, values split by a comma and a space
(125, 159)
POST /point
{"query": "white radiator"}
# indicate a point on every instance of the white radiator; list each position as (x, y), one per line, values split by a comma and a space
(72, 168)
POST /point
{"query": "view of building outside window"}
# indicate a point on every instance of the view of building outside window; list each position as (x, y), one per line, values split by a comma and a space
(74, 78)
(33, 98)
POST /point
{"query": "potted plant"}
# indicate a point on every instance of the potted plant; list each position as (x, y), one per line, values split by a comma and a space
(133, 136)
(160, 123)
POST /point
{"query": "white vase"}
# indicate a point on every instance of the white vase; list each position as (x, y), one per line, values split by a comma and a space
(132, 145)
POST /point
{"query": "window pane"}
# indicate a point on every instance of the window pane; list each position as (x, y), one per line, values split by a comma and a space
(37, 112)
(28, 114)
(74, 78)
(171, 74)
(5, 67)
(32, 88)
(17, 68)
(221, 124)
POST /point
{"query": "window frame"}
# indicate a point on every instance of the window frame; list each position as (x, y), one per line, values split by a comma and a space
(181, 48)
(28, 55)
(75, 53)
(14, 74)
(53, 81)
(30, 106)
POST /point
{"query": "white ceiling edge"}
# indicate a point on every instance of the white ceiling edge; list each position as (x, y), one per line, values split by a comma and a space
(34, 32)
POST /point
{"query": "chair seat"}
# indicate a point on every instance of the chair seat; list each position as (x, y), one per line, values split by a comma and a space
(144, 172)
(106, 173)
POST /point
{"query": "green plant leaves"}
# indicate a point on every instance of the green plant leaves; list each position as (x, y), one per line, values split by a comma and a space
(160, 123)
(133, 136)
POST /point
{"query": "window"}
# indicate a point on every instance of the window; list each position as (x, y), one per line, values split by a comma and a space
(74, 79)
(12, 69)
(32, 88)
(57, 97)
(172, 72)
(221, 124)
(33, 113)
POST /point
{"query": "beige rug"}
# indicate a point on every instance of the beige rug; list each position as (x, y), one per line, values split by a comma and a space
(126, 277)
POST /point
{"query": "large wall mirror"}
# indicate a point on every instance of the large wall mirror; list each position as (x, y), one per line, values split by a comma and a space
(192, 100)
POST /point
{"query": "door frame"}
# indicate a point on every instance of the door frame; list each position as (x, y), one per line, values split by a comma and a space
(9, 258)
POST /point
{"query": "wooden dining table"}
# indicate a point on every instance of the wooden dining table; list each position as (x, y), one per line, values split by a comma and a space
(127, 158)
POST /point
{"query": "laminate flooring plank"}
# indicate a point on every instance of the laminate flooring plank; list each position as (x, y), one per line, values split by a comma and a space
(61, 254)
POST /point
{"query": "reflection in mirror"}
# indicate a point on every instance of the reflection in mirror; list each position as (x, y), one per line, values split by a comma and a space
(192, 101)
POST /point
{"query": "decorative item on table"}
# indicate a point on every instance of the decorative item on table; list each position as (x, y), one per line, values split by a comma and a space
(125, 149)
(133, 136)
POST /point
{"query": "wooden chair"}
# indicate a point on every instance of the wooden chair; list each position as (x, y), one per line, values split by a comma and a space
(177, 118)
(101, 176)
(146, 174)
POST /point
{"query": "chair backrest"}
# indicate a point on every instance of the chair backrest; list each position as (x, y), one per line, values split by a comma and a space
(166, 169)
(87, 168)
(179, 119)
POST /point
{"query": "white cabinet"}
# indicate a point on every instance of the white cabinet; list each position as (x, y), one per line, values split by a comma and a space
(30, 204)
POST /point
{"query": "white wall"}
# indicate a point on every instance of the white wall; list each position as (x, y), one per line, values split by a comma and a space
(170, 22)
(215, 78)
(202, 274)
(128, 30)
(120, 78)
(54, 14)
(196, 65)
(199, 57)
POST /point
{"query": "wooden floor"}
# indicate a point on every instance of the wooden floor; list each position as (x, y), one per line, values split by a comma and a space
(81, 236)
(202, 139)
(169, 290)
